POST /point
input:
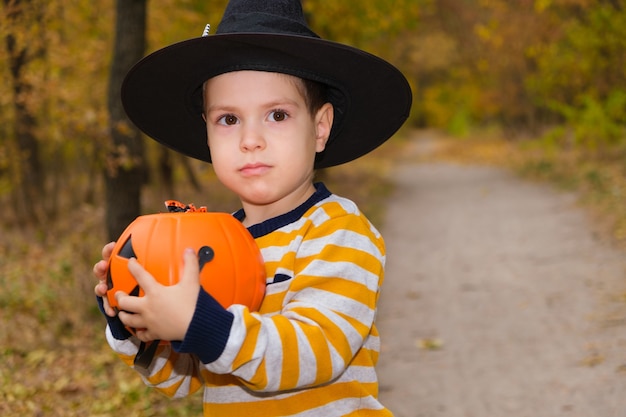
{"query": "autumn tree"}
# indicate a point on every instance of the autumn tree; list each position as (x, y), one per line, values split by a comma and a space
(125, 164)
(24, 48)
(589, 56)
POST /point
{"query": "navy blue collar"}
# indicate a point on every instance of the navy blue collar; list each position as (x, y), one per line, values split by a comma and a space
(268, 226)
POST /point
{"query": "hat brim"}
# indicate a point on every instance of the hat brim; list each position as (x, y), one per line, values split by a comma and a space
(162, 93)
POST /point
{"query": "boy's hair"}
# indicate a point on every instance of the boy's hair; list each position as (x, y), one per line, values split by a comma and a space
(314, 93)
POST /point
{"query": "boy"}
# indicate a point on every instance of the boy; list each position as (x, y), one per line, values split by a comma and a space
(273, 102)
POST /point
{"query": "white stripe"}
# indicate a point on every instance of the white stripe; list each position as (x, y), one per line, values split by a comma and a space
(319, 216)
(364, 374)
(372, 343)
(341, 237)
(313, 297)
(307, 360)
(354, 338)
(128, 347)
(347, 270)
(272, 348)
(342, 407)
(276, 253)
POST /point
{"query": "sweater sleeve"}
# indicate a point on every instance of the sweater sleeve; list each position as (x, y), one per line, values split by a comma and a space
(173, 374)
(173, 370)
(327, 314)
(208, 331)
(116, 327)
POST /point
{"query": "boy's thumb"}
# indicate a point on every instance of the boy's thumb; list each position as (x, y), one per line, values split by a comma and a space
(191, 266)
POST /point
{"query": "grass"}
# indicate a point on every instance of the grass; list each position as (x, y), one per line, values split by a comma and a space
(54, 360)
(53, 357)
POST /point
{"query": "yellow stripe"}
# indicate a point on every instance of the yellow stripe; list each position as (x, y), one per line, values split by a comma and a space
(248, 347)
(370, 413)
(291, 353)
(333, 334)
(295, 403)
(365, 357)
(259, 380)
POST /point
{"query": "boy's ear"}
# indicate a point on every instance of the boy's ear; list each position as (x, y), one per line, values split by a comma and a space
(323, 124)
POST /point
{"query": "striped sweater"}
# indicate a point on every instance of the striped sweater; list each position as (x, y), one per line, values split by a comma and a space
(311, 348)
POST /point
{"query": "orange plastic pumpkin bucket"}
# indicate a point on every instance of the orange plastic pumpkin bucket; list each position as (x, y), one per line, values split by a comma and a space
(231, 266)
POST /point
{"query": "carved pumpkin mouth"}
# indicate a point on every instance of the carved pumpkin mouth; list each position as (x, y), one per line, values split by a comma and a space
(125, 252)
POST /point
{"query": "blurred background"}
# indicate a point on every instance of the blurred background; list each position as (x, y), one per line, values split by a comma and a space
(536, 84)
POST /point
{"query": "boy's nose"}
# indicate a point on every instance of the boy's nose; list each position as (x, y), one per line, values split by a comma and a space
(251, 138)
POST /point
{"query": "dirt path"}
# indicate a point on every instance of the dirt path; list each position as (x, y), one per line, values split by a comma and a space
(498, 301)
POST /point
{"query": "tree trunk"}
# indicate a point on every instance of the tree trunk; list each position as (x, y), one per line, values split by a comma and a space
(191, 175)
(28, 172)
(166, 172)
(125, 164)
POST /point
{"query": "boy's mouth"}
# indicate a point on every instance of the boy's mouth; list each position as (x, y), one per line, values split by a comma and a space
(254, 169)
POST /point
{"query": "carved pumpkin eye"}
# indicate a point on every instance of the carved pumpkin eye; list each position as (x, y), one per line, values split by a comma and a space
(127, 249)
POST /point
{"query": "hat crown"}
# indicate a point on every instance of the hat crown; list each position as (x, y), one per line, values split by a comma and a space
(265, 16)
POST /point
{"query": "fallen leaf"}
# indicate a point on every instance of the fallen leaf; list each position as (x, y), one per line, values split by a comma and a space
(430, 344)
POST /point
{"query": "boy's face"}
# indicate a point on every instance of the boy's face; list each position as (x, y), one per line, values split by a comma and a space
(263, 138)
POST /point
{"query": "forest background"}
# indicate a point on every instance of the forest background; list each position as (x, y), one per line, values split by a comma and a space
(537, 84)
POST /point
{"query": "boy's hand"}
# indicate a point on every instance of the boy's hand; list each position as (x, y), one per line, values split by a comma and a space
(100, 272)
(164, 312)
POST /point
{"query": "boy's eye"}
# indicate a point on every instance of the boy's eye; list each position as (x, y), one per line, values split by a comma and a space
(278, 115)
(228, 120)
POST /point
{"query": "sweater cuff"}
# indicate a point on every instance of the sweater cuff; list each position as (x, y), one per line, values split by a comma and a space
(208, 331)
(118, 330)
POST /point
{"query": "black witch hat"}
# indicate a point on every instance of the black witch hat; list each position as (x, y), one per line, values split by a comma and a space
(162, 93)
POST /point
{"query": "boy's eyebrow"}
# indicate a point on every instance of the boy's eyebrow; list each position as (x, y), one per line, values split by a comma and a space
(269, 104)
(217, 107)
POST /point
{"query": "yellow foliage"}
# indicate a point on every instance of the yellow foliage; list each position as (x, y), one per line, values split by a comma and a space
(541, 5)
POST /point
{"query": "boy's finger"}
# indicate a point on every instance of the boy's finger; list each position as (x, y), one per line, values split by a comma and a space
(128, 303)
(101, 291)
(143, 277)
(120, 295)
(131, 320)
(191, 268)
(107, 250)
(101, 288)
(107, 307)
(100, 269)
